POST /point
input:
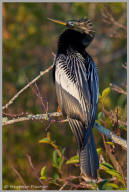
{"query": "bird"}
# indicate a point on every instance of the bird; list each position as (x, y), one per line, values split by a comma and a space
(76, 80)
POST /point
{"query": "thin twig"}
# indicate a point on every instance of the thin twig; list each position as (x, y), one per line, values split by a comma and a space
(113, 116)
(108, 18)
(34, 171)
(45, 108)
(124, 66)
(99, 127)
(38, 94)
(24, 88)
(62, 187)
(117, 89)
(19, 175)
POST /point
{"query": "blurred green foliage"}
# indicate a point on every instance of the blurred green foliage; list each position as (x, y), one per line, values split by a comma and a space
(28, 42)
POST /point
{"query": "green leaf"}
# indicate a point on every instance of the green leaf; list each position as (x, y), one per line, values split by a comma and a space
(123, 127)
(44, 140)
(43, 173)
(4, 119)
(109, 169)
(116, 174)
(100, 96)
(72, 160)
(100, 115)
(62, 151)
(54, 159)
(106, 92)
(102, 183)
(110, 143)
(110, 186)
(106, 166)
(48, 136)
(43, 178)
(60, 162)
(56, 175)
(99, 150)
(122, 188)
(105, 185)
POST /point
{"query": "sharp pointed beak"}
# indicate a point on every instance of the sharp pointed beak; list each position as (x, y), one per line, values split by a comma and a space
(57, 21)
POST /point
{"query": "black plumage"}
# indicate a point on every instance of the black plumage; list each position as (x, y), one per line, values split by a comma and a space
(77, 86)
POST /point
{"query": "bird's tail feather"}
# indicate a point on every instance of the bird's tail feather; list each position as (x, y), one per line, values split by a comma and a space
(89, 162)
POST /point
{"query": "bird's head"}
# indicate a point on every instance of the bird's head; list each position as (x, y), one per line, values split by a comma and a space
(81, 25)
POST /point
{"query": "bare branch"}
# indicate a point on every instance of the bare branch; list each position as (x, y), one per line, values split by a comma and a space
(34, 171)
(99, 127)
(46, 117)
(124, 66)
(14, 115)
(38, 94)
(19, 175)
(111, 135)
(108, 18)
(62, 187)
(28, 85)
(117, 89)
(113, 117)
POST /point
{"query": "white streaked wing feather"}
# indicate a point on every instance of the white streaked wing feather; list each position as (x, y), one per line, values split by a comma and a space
(72, 68)
(62, 79)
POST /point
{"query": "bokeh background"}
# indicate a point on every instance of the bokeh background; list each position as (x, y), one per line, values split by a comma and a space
(29, 39)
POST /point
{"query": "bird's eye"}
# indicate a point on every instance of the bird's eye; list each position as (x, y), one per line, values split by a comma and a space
(70, 23)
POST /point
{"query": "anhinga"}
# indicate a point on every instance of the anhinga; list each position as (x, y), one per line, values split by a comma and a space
(77, 87)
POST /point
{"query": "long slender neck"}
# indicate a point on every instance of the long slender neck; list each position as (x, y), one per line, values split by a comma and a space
(73, 39)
